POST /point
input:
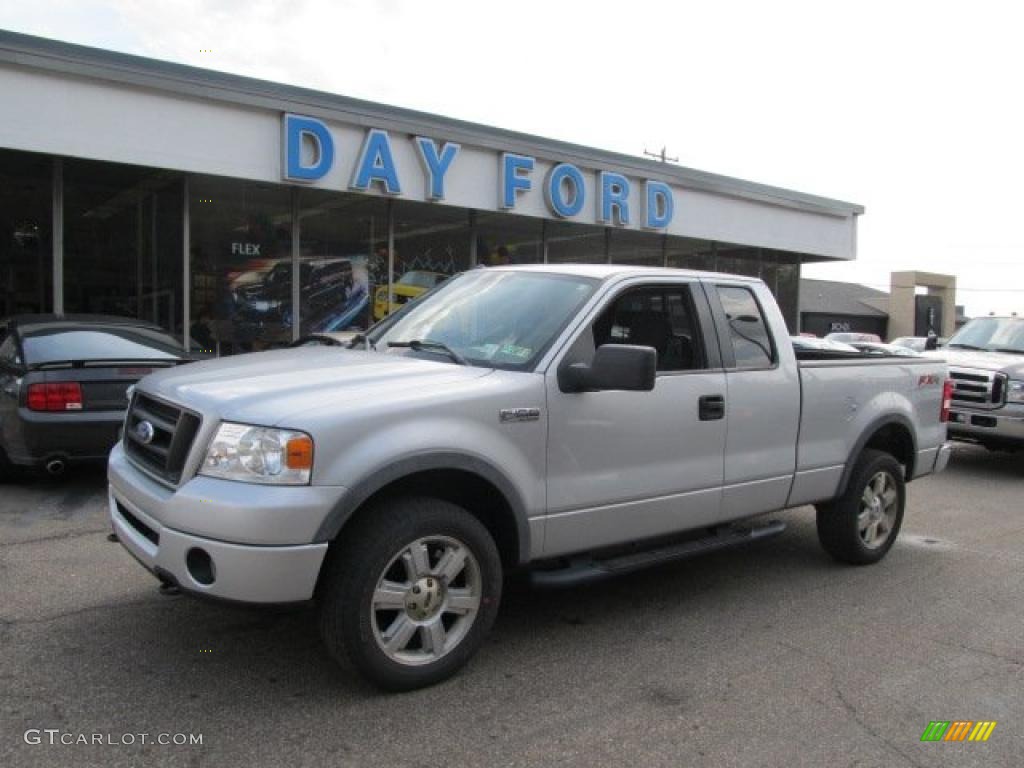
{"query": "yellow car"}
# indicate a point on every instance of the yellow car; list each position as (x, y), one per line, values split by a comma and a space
(409, 286)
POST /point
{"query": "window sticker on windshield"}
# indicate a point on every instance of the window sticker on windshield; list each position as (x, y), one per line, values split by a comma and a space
(522, 353)
(486, 350)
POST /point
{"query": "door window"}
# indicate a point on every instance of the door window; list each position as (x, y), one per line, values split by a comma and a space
(657, 316)
(751, 342)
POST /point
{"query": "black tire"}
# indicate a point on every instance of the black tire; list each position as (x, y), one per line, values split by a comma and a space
(369, 550)
(840, 522)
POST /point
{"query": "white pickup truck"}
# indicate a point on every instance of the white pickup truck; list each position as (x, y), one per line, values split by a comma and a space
(576, 421)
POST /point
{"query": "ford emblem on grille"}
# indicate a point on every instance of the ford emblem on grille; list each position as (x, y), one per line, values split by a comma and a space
(144, 431)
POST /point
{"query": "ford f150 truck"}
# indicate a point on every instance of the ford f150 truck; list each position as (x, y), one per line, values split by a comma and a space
(986, 364)
(576, 421)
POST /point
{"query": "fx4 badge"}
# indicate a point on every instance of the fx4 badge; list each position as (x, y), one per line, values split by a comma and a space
(519, 414)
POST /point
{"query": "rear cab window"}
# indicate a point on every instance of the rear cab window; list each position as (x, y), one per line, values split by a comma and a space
(749, 338)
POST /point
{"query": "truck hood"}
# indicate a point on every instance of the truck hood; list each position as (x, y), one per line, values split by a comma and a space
(266, 387)
(1010, 364)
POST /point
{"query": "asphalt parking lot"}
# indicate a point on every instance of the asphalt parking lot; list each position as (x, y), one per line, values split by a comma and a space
(770, 655)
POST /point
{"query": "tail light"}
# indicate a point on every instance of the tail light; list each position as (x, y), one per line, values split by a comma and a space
(58, 396)
(947, 400)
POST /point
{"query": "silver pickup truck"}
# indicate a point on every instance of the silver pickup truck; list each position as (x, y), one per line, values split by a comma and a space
(574, 421)
(986, 365)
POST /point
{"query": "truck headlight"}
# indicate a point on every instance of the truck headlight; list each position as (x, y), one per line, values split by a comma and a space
(1015, 391)
(259, 455)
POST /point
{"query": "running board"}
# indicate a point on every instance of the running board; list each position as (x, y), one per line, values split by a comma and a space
(585, 569)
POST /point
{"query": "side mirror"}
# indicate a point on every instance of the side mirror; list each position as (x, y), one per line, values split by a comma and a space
(615, 366)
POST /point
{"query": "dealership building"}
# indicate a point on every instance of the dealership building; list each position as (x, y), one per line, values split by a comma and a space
(245, 213)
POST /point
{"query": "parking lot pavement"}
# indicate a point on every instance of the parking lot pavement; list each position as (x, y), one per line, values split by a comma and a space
(768, 655)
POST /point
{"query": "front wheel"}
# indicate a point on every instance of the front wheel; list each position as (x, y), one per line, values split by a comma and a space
(861, 525)
(411, 592)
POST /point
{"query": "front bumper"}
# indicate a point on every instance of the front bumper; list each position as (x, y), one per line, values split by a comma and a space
(174, 533)
(987, 426)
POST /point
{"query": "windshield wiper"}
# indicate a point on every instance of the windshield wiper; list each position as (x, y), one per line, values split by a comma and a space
(967, 346)
(362, 338)
(431, 346)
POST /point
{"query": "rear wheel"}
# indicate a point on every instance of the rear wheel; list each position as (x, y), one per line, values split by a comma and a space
(861, 526)
(411, 592)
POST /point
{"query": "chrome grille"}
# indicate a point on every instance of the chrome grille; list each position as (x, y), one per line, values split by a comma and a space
(173, 431)
(978, 388)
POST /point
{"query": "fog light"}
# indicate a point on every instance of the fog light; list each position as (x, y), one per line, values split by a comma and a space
(200, 566)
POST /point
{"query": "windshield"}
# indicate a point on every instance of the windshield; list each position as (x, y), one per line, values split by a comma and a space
(492, 318)
(44, 344)
(991, 333)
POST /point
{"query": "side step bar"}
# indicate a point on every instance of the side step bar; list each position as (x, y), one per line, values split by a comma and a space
(585, 569)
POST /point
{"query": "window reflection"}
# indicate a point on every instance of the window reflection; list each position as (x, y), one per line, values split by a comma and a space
(26, 193)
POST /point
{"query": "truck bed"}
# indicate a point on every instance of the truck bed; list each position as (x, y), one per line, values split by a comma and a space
(842, 395)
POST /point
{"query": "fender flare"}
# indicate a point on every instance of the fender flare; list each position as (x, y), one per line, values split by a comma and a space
(865, 436)
(410, 465)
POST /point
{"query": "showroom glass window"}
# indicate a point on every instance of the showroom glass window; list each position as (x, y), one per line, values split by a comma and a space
(570, 243)
(122, 242)
(787, 287)
(343, 239)
(432, 243)
(26, 249)
(240, 265)
(688, 253)
(635, 248)
(502, 238)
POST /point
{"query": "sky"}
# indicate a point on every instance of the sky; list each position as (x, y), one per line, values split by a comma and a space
(911, 109)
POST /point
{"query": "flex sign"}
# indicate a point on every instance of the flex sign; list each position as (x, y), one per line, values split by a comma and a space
(309, 153)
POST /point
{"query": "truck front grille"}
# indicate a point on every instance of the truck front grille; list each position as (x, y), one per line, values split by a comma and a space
(171, 433)
(977, 388)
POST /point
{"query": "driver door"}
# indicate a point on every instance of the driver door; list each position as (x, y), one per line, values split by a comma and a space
(624, 466)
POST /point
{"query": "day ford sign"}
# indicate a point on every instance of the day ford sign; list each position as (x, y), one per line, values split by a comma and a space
(310, 153)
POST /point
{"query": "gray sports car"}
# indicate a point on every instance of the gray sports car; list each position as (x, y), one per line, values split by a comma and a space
(63, 381)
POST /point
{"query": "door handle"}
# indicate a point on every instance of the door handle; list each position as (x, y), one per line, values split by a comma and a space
(711, 407)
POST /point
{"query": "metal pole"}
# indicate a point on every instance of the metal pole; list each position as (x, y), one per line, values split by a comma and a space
(186, 270)
(473, 258)
(58, 235)
(296, 287)
(153, 261)
(138, 257)
(391, 253)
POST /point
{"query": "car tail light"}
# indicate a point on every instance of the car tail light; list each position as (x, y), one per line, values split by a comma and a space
(947, 400)
(59, 396)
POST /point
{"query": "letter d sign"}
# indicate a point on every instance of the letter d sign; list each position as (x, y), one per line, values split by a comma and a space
(306, 133)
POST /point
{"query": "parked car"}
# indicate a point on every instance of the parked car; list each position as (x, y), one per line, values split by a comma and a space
(63, 381)
(878, 348)
(810, 345)
(850, 337)
(986, 364)
(576, 421)
(916, 343)
(408, 286)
